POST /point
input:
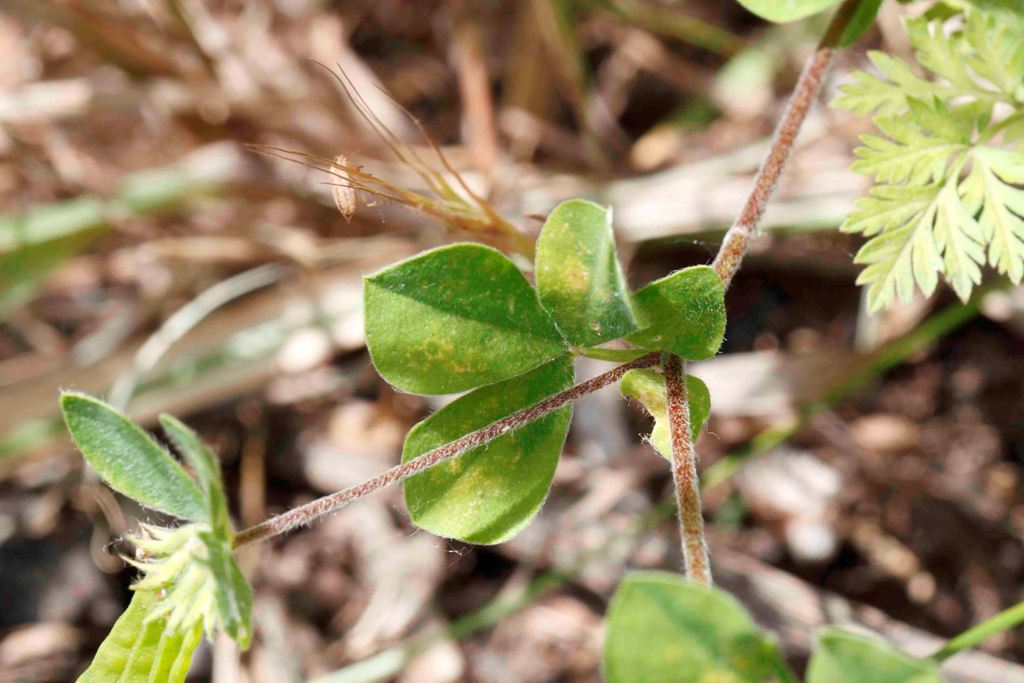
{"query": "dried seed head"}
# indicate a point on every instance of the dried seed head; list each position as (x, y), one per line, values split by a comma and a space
(344, 194)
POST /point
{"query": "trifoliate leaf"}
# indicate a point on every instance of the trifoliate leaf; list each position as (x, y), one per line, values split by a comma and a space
(579, 278)
(455, 318)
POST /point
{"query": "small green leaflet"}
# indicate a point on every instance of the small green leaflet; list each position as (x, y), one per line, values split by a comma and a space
(662, 628)
(579, 279)
(782, 11)
(490, 493)
(648, 387)
(946, 200)
(683, 313)
(455, 318)
(233, 594)
(137, 651)
(128, 459)
(845, 657)
(207, 470)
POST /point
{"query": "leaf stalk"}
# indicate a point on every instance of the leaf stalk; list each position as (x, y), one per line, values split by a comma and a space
(305, 514)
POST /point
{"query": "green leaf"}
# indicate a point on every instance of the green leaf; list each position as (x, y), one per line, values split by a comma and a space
(664, 629)
(490, 493)
(987, 48)
(844, 657)
(903, 252)
(942, 53)
(959, 237)
(233, 593)
(917, 147)
(949, 197)
(782, 11)
(455, 318)
(206, 467)
(128, 459)
(683, 313)
(648, 387)
(888, 96)
(141, 651)
(860, 21)
(579, 278)
(995, 38)
(990, 191)
(920, 233)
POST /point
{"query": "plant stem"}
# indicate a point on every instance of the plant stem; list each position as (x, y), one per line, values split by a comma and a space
(973, 637)
(744, 230)
(727, 262)
(305, 514)
(684, 473)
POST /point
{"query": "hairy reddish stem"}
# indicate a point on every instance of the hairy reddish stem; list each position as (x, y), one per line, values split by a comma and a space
(744, 230)
(684, 473)
(727, 263)
(304, 514)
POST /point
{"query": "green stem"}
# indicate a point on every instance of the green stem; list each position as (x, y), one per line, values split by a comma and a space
(972, 637)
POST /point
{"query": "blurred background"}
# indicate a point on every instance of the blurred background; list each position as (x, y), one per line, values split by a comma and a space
(857, 469)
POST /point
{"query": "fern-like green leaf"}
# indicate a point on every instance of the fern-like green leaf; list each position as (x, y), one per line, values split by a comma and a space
(888, 96)
(998, 51)
(942, 53)
(901, 253)
(958, 236)
(989, 191)
(949, 158)
(917, 146)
